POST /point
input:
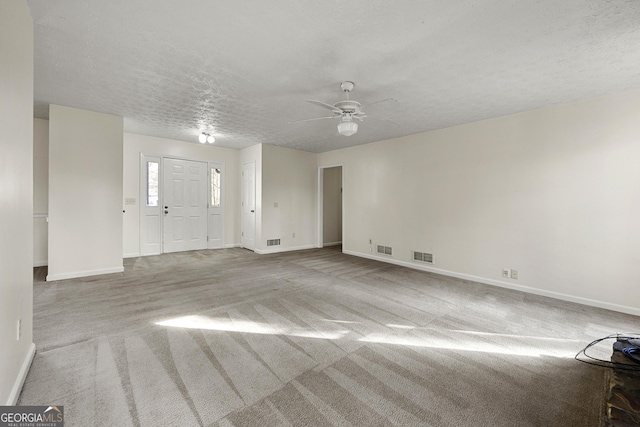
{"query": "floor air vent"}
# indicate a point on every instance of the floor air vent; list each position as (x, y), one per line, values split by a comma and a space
(273, 242)
(385, 250)
(423, 257)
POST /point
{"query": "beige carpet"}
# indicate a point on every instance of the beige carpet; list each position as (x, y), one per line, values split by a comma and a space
(311, 338)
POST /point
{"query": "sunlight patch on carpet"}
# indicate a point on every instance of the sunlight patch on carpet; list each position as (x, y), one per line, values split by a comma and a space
(470, 345)
(243, 326)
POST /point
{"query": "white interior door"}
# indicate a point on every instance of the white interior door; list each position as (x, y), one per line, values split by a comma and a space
(184, 205)
(248, 205)
(150, 209)
(216, 205)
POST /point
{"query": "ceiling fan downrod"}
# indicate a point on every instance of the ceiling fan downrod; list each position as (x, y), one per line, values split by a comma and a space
(347, 87)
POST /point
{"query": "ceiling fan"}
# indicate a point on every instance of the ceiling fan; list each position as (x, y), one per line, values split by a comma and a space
(346, 110)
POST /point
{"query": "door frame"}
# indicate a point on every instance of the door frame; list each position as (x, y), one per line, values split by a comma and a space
(320, 240)
(142, 196)
(242, 195)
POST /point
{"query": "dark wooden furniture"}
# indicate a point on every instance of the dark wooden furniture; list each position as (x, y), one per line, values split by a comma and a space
(623, 400)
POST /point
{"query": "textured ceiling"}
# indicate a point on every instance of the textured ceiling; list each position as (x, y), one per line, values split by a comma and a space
(243, 69)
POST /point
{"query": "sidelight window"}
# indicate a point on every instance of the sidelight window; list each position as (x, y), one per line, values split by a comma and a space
(215, 187)
(152, 183)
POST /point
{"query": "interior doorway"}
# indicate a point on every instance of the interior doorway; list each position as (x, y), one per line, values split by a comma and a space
(330, 205)
(248, 205)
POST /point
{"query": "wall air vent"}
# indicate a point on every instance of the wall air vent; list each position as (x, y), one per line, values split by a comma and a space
(423, 257)
(384, 250)
(273, 242)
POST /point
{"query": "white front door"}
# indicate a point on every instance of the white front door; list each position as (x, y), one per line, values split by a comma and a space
(184, 205)
(248, 205)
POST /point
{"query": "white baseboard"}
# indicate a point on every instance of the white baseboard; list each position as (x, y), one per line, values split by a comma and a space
(278, 249)
(332, 244)
(86, 273)
(40, 263)
(542, 292)
(136, 255)
(22, 376)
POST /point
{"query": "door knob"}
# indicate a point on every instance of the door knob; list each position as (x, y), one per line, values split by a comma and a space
(252, 210)
(166, 211)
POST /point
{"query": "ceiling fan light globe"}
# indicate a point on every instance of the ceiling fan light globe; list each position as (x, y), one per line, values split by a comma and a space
(211, 139)
(347, 128)
(202, 138)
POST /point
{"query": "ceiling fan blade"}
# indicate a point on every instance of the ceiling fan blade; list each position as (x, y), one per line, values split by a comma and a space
(316, 118)
(378, 120)
(325, 105)
(378, 102)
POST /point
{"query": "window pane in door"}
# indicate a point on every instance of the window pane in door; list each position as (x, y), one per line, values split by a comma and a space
(152, 183)
(215, 187)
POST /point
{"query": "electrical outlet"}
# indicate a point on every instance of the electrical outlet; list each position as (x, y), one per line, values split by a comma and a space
(370, 241)
(370, 249)
(506, 272)
(275, 205)
(19, 329)
(514, 274)
(294, 235)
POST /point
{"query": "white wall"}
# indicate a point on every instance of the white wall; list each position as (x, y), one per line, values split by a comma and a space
(40, 191)
(289, 178)
(552, 193)
(16, 196)
(135, 144)
(332, 205)
(247, 155)
(85, 193)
